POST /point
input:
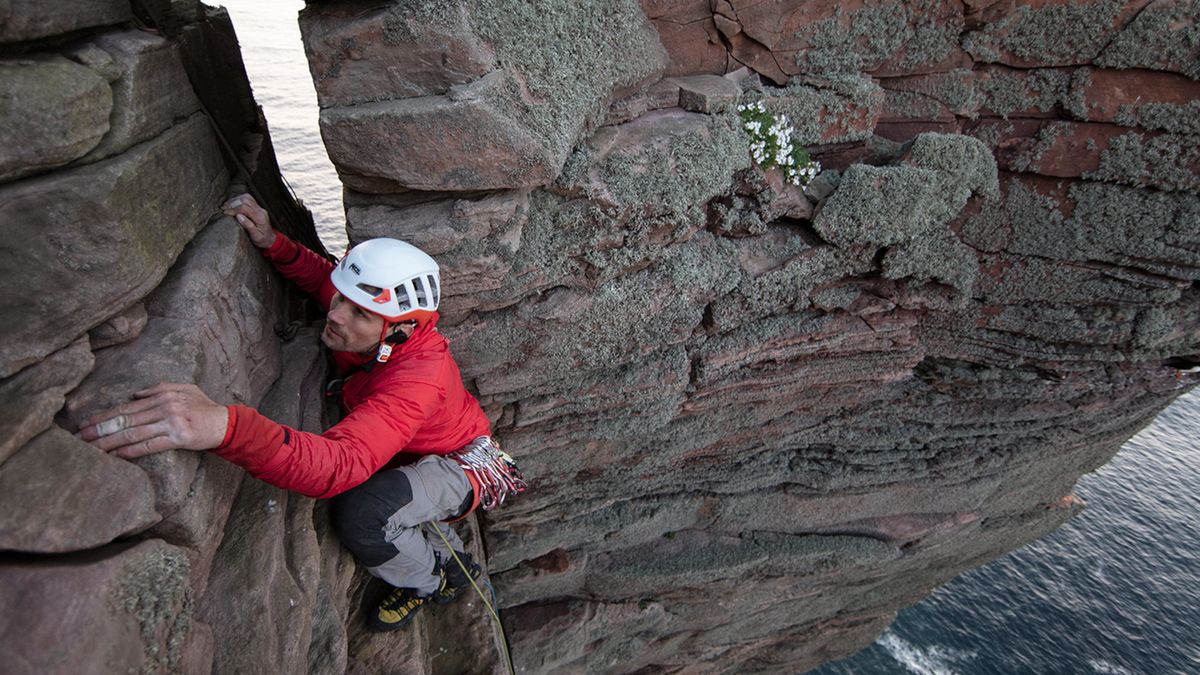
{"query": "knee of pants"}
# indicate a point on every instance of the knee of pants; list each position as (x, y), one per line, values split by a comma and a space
(360, 515)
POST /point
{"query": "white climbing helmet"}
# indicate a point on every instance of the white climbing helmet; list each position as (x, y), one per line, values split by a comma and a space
(391, 278)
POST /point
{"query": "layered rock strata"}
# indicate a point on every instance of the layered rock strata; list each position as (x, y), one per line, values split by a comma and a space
(125, 128)
(760, 420)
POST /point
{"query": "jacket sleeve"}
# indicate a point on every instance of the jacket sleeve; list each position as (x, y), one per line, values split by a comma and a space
(309, 271)
(346, 455)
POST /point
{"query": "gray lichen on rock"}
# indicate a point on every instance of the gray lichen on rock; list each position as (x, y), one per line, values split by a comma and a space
(155, 590)
(944, 259)
(1059, 34)
(579, 52)
(964, 165)
(1042, 89)
(878, 205)
(1175, 118)
(681, 174)
(865, 37)
(1164, 35)
(1167, 161)
(1152, 230)
(912, 105)
(833, 101)
(903, 207)
(1047, 137)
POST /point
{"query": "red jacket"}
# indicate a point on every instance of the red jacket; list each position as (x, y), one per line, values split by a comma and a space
(415, 403)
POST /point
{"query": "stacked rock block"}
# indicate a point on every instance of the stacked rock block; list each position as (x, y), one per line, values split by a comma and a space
(759, 420)
(118, 274)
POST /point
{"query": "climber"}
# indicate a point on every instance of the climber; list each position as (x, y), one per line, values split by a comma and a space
(414, 447)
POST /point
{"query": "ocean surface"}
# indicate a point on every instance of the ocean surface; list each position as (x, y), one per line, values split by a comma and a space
(1116, 591)
(274, 55)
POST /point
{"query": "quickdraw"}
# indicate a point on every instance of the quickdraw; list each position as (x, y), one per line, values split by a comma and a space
(497, 473)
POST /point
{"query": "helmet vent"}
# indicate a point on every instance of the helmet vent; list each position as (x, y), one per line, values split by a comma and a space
(433, 286)
(419, 291)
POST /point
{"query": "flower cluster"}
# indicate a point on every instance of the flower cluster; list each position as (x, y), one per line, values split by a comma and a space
(771, 144)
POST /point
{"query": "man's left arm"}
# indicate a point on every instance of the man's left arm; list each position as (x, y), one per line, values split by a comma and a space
(174, 416)
(350, 452)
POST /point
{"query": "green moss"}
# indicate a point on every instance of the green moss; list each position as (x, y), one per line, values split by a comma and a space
(1062, 34)
(1175, 118)
(1163, 36)
(1166, 162)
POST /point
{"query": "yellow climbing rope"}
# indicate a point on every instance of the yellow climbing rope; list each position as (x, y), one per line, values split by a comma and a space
(478, 590)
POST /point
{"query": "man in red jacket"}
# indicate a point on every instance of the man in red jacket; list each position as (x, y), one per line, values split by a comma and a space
(405, 403)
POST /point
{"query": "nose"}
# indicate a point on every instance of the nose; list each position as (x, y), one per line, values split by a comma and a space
(337, 313)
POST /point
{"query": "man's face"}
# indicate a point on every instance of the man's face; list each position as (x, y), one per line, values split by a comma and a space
(350, 328)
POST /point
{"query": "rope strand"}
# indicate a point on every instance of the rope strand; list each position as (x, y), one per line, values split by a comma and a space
(479, 591)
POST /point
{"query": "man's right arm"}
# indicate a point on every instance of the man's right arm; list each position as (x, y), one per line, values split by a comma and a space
(309, 271)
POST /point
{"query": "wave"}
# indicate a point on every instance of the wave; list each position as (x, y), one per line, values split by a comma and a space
(923, 661)
(1106, 668)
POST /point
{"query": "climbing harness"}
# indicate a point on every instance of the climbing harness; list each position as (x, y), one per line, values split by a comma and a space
(495, 471)
(491, 606)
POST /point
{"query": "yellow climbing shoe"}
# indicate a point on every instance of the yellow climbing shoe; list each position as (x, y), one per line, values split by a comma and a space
(399, 607)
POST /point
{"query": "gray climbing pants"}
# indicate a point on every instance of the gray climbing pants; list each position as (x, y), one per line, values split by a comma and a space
(382, 521)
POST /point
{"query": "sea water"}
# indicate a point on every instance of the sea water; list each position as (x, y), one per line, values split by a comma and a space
(274, 55)
(1115, 591)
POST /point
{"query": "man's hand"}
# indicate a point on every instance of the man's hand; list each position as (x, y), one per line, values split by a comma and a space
(253, 219)
(163, 417)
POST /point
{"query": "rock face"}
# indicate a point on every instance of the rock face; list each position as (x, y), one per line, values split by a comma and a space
(811, 407)
(125, 275)
(804, 407)
(463, 95)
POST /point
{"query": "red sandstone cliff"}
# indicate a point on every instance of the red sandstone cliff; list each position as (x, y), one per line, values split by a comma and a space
(757, 420)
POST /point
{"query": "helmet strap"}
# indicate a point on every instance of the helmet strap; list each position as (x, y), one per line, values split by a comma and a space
(388, 342)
